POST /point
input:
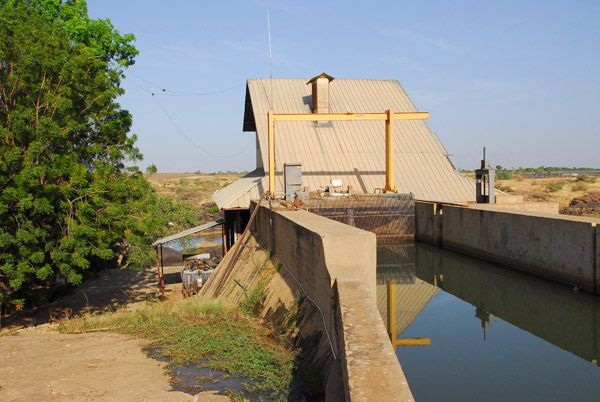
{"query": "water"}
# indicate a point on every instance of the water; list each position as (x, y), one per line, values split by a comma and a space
(496, 334)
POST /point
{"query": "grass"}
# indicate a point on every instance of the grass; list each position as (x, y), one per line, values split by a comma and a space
(208, 333)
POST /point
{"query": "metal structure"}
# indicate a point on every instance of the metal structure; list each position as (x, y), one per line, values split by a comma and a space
(390, 216)
(484, 179)
(292, 179)
(389, 116)
(158, 246)
(353, 151)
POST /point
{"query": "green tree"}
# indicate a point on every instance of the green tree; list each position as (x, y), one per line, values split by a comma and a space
(66, 195)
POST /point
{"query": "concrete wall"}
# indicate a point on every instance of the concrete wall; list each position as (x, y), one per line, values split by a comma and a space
(558, 247)
(336, 265)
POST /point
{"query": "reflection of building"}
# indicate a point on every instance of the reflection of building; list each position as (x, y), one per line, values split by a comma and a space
(411, 299)
(486, 320)
(396, 262)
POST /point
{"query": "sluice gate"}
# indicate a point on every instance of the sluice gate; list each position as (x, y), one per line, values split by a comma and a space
(390, 216)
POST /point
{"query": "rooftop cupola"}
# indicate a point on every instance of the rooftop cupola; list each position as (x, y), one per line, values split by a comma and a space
(320, 92)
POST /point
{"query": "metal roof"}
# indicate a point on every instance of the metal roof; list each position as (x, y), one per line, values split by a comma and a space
(239, 193)
(353, 151)
(187, 232)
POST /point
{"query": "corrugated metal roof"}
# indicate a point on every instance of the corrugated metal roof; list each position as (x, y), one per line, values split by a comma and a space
(187, 232)
(239, 193)
(353, 151)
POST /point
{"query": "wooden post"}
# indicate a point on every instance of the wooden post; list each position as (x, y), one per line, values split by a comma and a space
(271, 132)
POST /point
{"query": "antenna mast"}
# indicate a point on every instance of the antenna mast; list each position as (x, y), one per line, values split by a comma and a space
(270, 59)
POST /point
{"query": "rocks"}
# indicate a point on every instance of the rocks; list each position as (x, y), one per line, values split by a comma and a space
(588, 204)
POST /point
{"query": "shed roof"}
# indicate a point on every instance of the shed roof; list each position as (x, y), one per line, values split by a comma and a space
(187, 232)
(353, 151)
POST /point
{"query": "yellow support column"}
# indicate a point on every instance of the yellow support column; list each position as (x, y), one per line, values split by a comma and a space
(271, 132)
(391, 309)
(390, 184)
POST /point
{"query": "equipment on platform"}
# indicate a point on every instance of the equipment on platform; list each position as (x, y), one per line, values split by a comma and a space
(292, 179)
(194, 275)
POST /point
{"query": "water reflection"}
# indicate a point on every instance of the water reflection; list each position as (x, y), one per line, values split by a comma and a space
(481, 318)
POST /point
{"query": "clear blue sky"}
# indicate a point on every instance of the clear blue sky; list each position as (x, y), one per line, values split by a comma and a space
(519, 77)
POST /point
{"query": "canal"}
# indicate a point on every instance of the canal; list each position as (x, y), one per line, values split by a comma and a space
(481, 332)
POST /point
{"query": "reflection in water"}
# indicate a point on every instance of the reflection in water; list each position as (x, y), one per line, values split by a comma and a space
(451, 298)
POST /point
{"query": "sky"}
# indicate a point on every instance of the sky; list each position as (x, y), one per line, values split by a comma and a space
(521, 78)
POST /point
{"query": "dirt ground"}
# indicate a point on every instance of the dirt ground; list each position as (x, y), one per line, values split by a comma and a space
(38, 364)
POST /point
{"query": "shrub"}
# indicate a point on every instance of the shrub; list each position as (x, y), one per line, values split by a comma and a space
(579, 187)
(586, 178)
(553, 186)
(504, 175)
(213, 210)
(507, 189)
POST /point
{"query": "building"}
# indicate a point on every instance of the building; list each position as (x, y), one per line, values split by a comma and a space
(350, 151)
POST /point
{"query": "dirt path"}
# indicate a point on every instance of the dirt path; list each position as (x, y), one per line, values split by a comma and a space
(38, 364)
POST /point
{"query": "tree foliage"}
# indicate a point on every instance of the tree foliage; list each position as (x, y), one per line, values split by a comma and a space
(68, 201)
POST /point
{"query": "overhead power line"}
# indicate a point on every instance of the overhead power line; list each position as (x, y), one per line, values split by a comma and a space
(191, 141)
(162, 91)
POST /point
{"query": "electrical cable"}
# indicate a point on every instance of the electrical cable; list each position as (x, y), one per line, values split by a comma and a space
(315, 303)
(192, 142)
(168, 92)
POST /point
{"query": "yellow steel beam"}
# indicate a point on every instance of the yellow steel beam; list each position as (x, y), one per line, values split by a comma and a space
(389, 117)
(390, 185)
(413, 342)
(271, 134)
(350, 116)
(391, 310)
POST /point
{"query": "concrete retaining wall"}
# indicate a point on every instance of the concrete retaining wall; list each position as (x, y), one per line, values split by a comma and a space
(561, 248)
(336, 265)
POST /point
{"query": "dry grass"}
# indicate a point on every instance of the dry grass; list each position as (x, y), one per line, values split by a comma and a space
(191, 187)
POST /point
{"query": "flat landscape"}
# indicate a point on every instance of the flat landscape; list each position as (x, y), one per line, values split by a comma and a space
(559, 189)
(196, 188)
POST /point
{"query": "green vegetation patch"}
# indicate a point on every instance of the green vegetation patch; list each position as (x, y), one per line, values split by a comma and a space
(553, 186)
(580, 187)
(586, 178)
(207, 333)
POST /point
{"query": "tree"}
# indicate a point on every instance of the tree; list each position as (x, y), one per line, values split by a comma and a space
(66, 195)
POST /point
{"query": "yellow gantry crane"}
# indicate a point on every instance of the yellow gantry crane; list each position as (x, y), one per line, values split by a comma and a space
(389, 116)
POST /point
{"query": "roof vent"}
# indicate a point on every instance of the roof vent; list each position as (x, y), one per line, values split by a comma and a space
(320, 92)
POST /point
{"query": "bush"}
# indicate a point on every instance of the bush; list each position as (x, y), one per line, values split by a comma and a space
(504, 175)
(553, 186)
(579, 187)
(213, 210)
(507, 189)
(586, 178)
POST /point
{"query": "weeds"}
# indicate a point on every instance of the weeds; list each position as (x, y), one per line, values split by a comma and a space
(507, 189)
(209, 331)
(580, 187)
